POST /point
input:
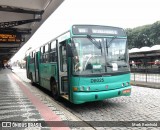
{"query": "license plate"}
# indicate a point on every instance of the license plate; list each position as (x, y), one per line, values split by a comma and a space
(126, 91)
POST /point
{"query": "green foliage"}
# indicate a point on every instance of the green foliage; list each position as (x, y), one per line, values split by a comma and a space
(147, 35)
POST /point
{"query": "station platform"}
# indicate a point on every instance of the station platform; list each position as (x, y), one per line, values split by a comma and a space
(19, 107)
(21, 104)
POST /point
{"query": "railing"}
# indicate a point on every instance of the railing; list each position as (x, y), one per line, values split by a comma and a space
(145, 74)
(155, 78)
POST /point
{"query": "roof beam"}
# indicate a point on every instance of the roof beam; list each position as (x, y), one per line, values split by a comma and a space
(7, 53)
(9, 45)
(16, 30)
(16, 23)
(20, 10)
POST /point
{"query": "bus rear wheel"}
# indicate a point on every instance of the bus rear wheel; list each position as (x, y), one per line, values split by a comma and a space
(54, 90)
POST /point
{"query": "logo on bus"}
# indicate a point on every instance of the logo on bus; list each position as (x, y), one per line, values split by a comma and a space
(97, 80)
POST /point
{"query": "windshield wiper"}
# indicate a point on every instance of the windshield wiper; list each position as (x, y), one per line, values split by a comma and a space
(97, 44)
(109, 44)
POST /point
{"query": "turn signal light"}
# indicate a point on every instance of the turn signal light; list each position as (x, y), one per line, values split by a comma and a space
(75, 89)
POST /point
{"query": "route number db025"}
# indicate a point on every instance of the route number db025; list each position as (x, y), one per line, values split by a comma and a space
(97, 80)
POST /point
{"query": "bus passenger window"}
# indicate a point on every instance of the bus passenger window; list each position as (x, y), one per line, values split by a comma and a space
(63, 58)
(53, 52)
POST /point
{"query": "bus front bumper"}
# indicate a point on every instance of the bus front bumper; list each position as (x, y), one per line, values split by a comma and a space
(82, 97)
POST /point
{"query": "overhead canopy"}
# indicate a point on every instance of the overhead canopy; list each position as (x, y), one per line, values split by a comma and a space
(19, 19)
(145, 49)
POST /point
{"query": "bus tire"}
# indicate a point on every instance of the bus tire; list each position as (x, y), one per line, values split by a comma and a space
(54, 89)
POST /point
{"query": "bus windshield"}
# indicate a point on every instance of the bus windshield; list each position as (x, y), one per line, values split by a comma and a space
(89, 59)
(116, 53)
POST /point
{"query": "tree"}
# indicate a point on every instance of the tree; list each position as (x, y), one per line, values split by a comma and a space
(147, 35)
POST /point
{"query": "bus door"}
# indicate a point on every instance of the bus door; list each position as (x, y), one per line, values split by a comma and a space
(63, 72)
(27, 65)
(36, 68)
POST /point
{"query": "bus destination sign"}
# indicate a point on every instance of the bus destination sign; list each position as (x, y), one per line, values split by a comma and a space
(97, 30)
(9, 38)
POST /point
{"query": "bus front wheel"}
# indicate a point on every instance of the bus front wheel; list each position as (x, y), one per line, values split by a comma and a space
(54, 90)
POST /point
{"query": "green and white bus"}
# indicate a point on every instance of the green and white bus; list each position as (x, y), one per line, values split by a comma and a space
(86, 63)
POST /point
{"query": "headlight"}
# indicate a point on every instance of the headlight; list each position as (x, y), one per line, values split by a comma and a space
(88, 88)
(81, 88)
(127, 83)
(123, 84)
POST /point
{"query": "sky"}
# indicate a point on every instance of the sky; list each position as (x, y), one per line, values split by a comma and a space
(119, 13)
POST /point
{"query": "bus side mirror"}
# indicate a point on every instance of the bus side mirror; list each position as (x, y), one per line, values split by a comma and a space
(69, 51)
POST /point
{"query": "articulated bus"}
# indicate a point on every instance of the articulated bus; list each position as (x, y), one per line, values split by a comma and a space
(86, 63)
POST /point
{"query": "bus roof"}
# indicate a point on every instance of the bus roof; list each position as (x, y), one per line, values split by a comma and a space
(83, 29)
